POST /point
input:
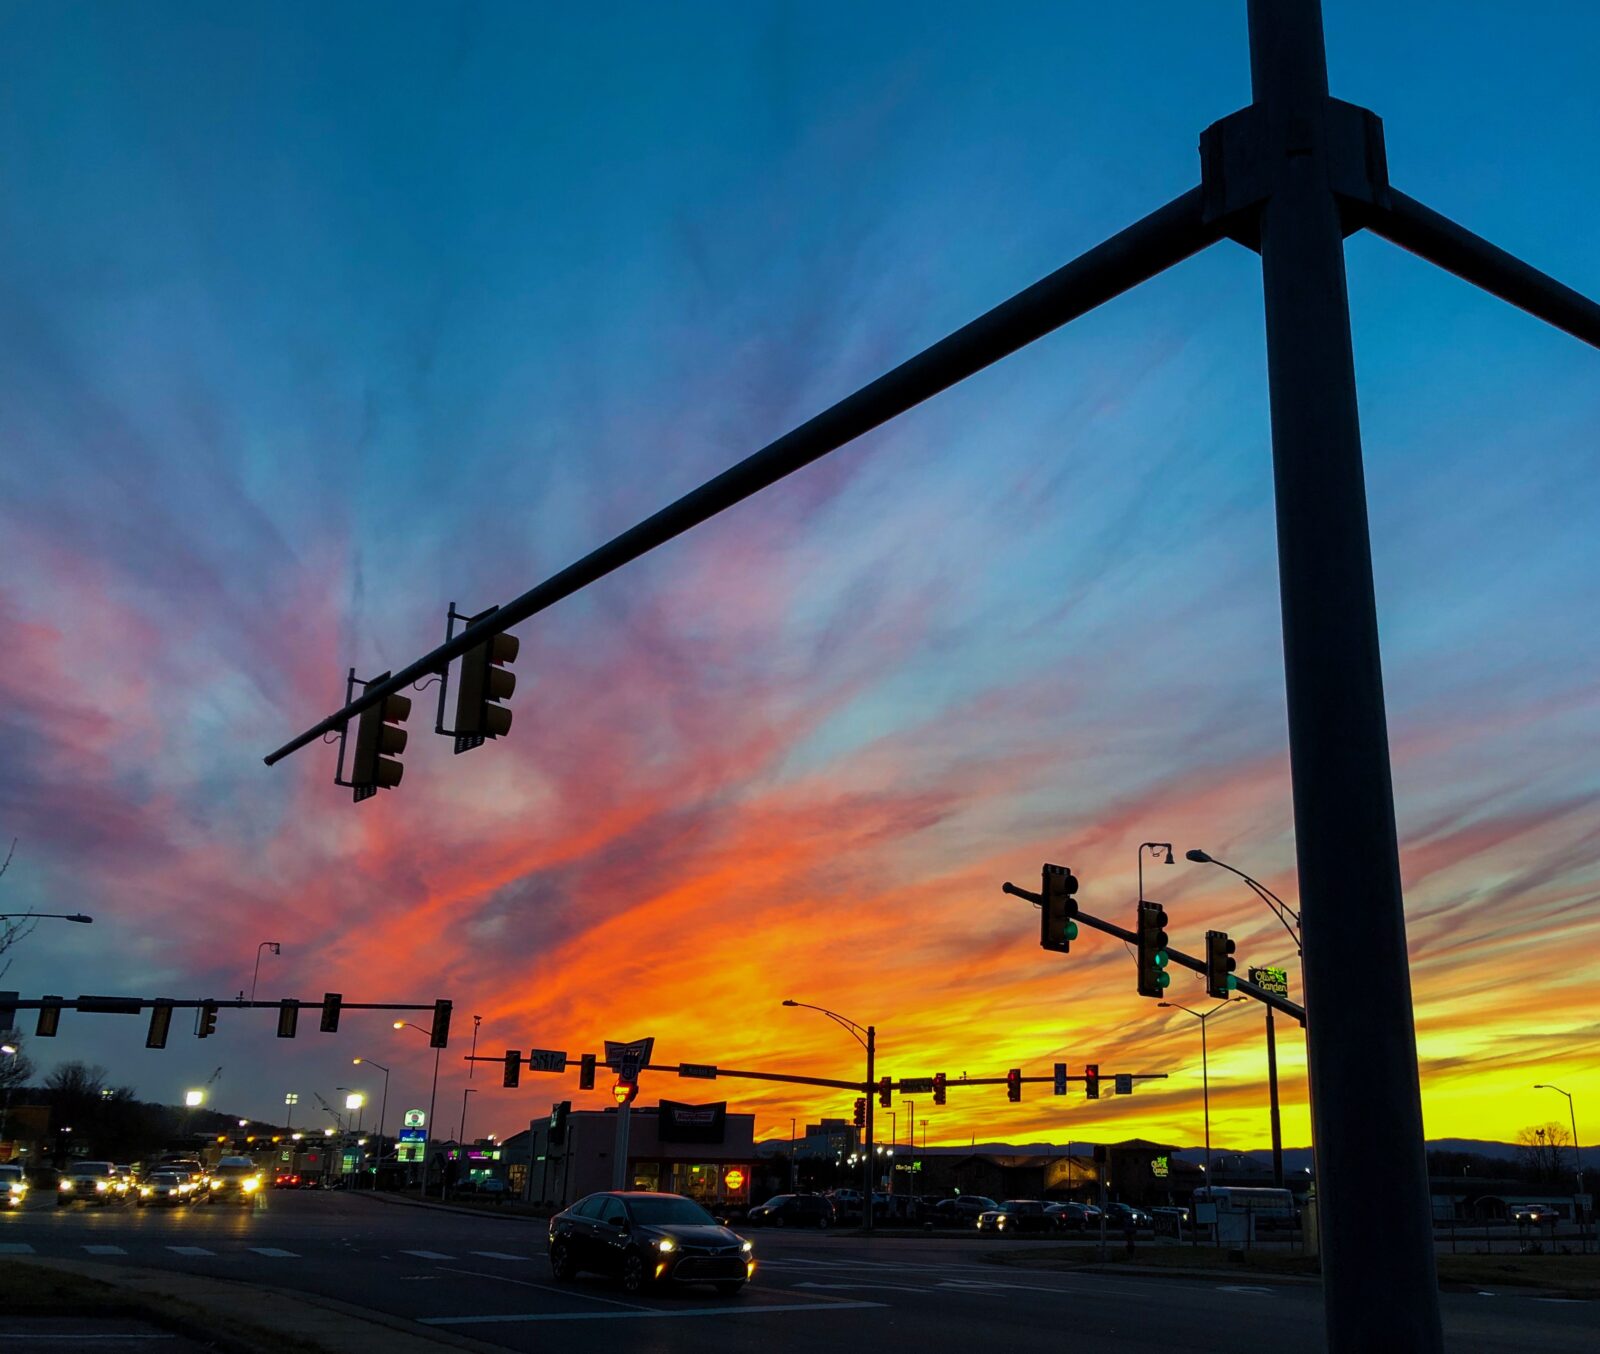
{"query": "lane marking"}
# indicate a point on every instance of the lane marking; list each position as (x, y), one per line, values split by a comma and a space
(105, 1250)
(273, 1253)
(500, 1255)
(547, 1288)
(855, 1287)
(429, 1255)
(16, 1248)
(647, 1313)
(190, 1250)
(154, 1335)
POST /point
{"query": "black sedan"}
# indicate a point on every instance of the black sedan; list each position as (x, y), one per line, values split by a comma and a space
(792, 1210)
(644, 1239)
(1016, 1215)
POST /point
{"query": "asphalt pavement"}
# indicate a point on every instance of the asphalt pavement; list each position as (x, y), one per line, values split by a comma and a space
(487, 1278)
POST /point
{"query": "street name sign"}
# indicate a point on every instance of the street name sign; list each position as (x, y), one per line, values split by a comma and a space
(547, 1060)
(705, 1071)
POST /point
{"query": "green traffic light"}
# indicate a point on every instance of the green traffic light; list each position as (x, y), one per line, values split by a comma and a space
(1160, 959)
(1233, 982)
(1163, 978)
(1072, 930)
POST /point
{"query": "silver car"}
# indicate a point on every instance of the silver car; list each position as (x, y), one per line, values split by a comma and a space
(170, 1188)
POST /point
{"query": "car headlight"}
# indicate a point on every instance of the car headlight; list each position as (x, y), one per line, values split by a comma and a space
(250, 1184)
(748, 1247)
(66, 1184)
(100, 1185)
(666, 1244)
(146, 1190)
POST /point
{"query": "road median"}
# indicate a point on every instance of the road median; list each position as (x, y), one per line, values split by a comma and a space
(225, 1314)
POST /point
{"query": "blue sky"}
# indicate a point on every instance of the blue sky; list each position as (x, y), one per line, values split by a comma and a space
(317, 318)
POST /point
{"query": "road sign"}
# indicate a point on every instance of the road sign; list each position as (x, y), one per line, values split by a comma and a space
(1124, 1084)
(705, 1071)
(637, 1055)
(414, 1119)
(1274, 980)
(546, 1060)
(1061, 1079)
(916, 1085)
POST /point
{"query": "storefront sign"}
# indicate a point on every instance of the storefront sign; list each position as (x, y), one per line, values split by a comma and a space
(414, 1119)
(734, 1179)
(692, 1123)
(1273, 980)
(1159, 1167)
(628, 1060)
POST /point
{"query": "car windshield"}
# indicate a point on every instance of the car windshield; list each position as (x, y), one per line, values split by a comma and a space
(88, 1168)
(682, 1211)
(231, 1171)
(164, 1178)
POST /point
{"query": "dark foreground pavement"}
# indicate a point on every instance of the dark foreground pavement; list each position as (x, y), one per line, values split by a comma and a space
(486, 1279)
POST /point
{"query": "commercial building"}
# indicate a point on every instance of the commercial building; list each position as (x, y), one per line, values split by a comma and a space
(703, 1151)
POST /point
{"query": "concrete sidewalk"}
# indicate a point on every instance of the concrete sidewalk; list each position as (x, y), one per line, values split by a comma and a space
(405, 1201)
(254, 1319)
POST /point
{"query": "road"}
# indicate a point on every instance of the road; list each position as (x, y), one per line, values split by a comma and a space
(487, 1277)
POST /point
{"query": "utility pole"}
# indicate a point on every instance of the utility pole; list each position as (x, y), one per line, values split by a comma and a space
(872, 1097)
(1272, 1085)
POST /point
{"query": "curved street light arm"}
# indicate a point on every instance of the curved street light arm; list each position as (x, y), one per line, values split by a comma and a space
(856, 1030)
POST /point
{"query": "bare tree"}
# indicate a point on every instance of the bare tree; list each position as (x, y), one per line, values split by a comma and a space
(16, 1069)
(12, 931)
(1541, 1148)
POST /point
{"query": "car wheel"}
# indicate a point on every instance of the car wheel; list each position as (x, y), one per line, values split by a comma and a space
(778, 1221)
(633, 1272)
(822, 1223)
(730, 1287)
(561, 1262)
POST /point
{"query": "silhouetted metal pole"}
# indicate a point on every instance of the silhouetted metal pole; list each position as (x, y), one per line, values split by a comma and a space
(1272, 1092)
(1361, 1046)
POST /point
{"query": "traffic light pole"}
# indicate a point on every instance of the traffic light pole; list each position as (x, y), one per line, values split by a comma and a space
(872, 1094)
(1272, 1085)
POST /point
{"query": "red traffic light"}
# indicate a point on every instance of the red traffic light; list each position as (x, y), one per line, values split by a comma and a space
(1014, 1084)
(938, 1088)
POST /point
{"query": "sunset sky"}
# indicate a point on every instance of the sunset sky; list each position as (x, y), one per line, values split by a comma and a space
(315, 319)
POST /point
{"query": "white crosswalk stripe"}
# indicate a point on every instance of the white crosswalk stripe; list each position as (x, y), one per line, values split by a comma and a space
(273, 1253)
(105, 1250)
(190, 1250)
(16, 1248)
(499, 1255)
(429, 1255)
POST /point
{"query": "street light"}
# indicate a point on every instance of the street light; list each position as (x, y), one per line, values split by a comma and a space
(1155, 849)
(1285, 915)
(383, 1108)
(868, 1039)
(47, 916)
(1572, 1114)
(264, 945)
(433, 1095)
(1205, 1075)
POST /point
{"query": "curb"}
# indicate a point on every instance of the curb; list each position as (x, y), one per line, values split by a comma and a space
(403, 1202)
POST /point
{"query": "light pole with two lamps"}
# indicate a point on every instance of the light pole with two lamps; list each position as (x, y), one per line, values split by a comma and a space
(868, 1039)
(1205, 1074)
(1577, 1155)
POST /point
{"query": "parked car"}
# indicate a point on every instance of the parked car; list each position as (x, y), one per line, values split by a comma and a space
(90, 1182)
(166, 1188)
(792, 1210)
(1118, 1216)
(1539, 1215)
(1074, 1217)
(1015, 1216)
(645, 1239)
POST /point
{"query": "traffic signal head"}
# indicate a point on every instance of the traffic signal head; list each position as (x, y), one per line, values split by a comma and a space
(160, 1023)
(886, 1091)
(1091, 1080)
(439, 1036)
(331, 1001)
(288, 1019)
(586, 1072)
(938, 1088)
(861, 1111)
(49, 1020)
(513, 1067)
(485, 681)
(1014, 1084)
(208, 1020)
(379, 742)
(1057, 927)
(1152, 936)
(1220, 964)
(558, 1121)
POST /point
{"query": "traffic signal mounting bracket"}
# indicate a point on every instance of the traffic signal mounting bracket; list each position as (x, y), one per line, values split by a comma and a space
(463, 740)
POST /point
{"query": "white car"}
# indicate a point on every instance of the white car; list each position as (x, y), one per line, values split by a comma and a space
(13, 1187)
(1540, 1215)
(90, 1182)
